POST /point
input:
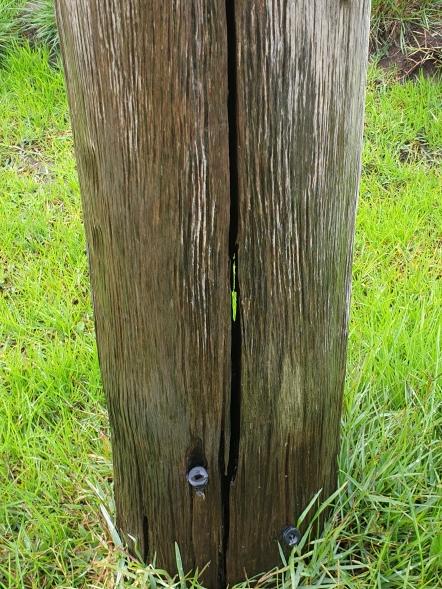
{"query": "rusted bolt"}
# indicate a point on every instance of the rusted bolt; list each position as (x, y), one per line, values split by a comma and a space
(198, 477)
(291, 536)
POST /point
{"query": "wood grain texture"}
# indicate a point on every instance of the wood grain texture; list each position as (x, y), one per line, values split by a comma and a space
(189, 126)
(300, 90)
(147, 85)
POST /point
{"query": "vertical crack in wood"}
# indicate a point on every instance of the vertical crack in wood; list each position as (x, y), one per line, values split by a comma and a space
(228, 471)
(145, 539)
(235, 399)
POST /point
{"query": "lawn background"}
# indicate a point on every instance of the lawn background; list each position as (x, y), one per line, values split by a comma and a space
(55, 463)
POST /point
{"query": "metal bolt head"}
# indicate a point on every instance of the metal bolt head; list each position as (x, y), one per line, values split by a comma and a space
(198, 477)
(291, 536)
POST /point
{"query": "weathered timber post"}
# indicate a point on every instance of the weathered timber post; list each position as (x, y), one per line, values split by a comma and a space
(209, 132)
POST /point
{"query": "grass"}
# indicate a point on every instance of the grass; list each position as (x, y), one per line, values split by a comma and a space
(56, 507)
(385, 13)
(28, 20)
(37, 21)
(409, 32)
(8, 14)
(390, 15)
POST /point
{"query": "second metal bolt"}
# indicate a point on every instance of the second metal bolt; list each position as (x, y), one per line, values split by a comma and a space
(291, 536)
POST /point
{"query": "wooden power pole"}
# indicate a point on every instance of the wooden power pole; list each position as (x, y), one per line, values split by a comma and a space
(218, 138)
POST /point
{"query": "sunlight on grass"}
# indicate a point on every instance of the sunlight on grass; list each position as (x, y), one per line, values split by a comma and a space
(397, 293)
(55, 465)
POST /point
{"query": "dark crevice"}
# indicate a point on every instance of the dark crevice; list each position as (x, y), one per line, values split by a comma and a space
(141, 546)
(196, 455)
(235, 383)
(235, 400)
(145, 539)
(228, 472)
(143, 552)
